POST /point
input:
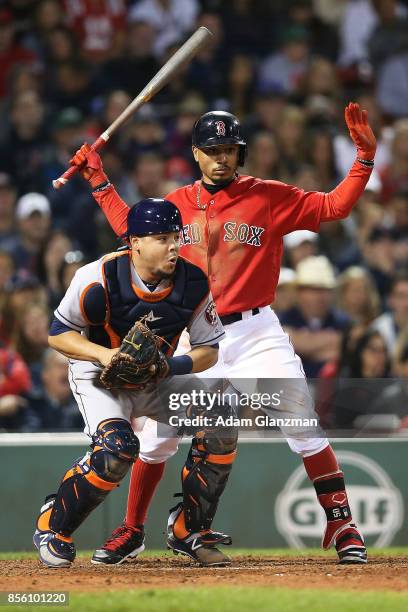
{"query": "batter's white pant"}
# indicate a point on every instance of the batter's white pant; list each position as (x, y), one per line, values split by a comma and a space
(256, 347)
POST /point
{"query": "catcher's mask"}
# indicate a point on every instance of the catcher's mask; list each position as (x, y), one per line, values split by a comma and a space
(216, 128)
(153, 216)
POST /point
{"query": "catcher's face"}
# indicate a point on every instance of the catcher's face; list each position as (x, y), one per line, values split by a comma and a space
(155, 257)
(218, 164)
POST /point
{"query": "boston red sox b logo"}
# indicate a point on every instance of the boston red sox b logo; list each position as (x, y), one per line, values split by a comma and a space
(220, 126)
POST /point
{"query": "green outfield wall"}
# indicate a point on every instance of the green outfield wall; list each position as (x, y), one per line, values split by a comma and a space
(268, 502)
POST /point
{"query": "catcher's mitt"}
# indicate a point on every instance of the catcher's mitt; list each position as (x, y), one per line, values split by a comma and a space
(138, 364)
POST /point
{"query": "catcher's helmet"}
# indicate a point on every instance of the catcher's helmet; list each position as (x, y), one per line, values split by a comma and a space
(219, 127)
(153, 216)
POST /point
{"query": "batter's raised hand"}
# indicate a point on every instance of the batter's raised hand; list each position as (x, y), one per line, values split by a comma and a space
(89, 165)
(360, 131)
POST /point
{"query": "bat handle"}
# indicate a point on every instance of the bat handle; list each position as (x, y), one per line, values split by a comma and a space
(68, 174)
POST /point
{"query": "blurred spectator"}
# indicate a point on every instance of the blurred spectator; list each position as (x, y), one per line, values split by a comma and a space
(390, 36)
(285, 296)
(394, 398)
(321, 156)
(53, 404)
(179, 137)
(379, 257)
(355, 398)
(358, 296)
(171, 19)
(6, 270)
(73, 260)
(324, 39)
(210, 65)
(320, 79)
(247, 25)
(267, 113)
(15, 381)
(31, 338)
(7, 205)
(359, 21)
(99, 26)
(292, 140)
(299, 245)
(314, 325)
(60, 47)
(264, 160)
(390, 324)
(239, 85)
(147, 179)
(392, 85)
(21, 289)
(27, 140)
(136, 66)
(68, 133)
(145, 134)
(33, 215)
(11, 53)
(73, 86)
(394, 177)
(48, 15)
(284, 70)
(50, 260)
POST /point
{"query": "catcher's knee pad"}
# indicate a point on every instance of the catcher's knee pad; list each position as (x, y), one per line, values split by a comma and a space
(91, 478)
(115, 447)
(204, 477)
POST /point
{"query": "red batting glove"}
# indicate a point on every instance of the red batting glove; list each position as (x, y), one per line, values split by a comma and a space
(360, 131)
(89, 166)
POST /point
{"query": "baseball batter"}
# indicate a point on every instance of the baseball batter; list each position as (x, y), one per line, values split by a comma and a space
(232, 229)
(148, 282)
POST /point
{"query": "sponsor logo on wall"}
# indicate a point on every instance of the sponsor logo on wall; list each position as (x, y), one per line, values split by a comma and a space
(376, 504)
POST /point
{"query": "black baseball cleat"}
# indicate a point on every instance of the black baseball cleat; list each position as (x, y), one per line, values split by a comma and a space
(195, 546)
(350, 545)
(125, 543)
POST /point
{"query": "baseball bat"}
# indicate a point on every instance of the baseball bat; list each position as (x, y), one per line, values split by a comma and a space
(166, 72)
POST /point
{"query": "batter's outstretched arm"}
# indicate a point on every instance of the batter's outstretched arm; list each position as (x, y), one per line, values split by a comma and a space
(75, 346)
(296, 209)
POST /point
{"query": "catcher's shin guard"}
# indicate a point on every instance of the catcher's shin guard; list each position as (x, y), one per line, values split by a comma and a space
(204, 478)
(91, 478)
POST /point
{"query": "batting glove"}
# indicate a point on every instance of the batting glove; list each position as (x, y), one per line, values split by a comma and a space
(360, 131)
(90, 166)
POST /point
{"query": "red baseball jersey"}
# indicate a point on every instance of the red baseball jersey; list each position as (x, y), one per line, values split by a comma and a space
(235, 235)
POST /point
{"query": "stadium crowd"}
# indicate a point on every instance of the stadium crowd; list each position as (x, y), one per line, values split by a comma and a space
(286, 68)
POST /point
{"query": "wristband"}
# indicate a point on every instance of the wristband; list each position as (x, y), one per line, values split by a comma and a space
(366, 162)
(102, 186)
(180, 365)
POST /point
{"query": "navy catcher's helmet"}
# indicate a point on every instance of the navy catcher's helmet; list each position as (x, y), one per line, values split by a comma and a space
(153, 216)
(219, 127)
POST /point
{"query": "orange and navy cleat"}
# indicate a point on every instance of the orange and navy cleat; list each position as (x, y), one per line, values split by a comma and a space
(54, 549)
(194, 545)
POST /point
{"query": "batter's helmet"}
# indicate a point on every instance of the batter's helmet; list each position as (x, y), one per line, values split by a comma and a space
(219, 127)
(153, 216)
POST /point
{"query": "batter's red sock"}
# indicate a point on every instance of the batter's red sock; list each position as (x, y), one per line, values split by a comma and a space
(321, 463)
(143, 482)
(328, 480)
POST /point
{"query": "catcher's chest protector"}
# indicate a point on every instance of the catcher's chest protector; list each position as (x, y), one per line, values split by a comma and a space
(167, 313)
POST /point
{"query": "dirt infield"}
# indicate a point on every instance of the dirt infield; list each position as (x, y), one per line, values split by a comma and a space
(389, 573)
